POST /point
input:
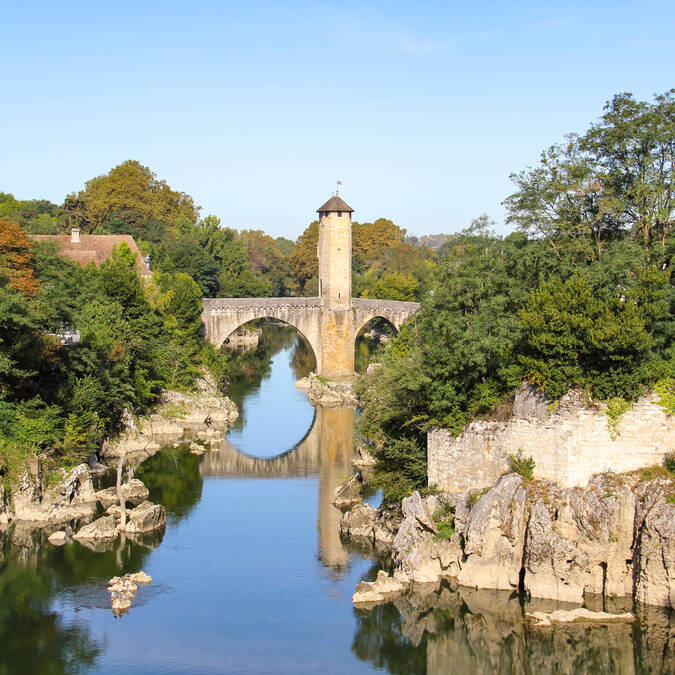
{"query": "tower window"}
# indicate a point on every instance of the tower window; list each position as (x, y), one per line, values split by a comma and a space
(339, 214)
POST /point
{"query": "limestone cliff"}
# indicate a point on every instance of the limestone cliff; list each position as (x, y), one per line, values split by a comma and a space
(614, 538)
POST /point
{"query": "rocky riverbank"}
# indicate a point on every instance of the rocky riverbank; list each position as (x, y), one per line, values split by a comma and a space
(203, 415)
(615, 538)
(463, 630)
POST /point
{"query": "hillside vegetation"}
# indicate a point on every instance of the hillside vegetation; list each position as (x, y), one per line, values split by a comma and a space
(579, 295)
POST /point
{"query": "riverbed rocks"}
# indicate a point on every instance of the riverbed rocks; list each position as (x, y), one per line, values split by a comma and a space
(374, 528)
(4, 507)
(123, 590)
(349, 493)
(330, 393)
(197, 448)
(100, 529)
(383, 589)
(58, 538)
(578, 615)
(133, 491)
(146, 517)
(614, 538)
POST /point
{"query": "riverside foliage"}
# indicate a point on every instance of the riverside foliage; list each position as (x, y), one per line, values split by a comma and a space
(580, 295)
(61, 400)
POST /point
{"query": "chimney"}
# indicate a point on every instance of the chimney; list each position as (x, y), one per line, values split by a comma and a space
(75, 235)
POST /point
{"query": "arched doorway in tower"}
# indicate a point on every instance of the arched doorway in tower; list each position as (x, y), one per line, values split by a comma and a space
(370, 339)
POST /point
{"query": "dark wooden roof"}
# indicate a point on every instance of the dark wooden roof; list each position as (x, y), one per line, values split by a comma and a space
(335, 204)
(96, 248)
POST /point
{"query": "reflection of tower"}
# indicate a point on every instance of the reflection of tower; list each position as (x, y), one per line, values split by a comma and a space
(336, 429)
(335, 288)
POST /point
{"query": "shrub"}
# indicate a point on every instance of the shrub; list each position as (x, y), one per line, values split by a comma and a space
(524, 466)
(445, 530)
(616, 408)
(475, 496)
(669, 461)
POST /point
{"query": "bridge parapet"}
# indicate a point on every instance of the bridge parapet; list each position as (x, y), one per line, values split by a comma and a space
(227, 304)
(373, 304)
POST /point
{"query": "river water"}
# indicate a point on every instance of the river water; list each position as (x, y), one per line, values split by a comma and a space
(250, 575)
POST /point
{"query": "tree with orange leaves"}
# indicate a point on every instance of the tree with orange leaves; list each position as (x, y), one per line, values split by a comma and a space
(16, 257)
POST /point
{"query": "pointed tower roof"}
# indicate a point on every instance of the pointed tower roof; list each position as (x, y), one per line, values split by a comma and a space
(335, 203)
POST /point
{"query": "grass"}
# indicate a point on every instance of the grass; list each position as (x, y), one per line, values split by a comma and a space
(665, 388)
(173, 411)
(655, 471)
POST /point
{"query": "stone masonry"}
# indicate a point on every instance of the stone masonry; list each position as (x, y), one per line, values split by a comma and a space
(330, 322)
(568, 446)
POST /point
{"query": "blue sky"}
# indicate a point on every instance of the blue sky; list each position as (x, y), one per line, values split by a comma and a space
(256, 109)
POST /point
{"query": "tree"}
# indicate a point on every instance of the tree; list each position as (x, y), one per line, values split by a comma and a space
(304, 261)
(16, 257)
(575, 335)
(634, 146)
(128, 192)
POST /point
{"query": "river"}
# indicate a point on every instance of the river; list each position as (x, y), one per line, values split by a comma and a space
(250, 575)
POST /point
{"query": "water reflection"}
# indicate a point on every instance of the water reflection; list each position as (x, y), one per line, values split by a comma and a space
(326, 450)
(35, 579)
(440, 630)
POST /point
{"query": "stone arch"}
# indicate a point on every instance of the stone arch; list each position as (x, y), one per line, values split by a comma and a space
(222, 316)
(357, 331)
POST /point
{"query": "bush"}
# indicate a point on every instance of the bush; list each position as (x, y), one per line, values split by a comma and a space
(524, 466)
(669, 461)
(445, 530)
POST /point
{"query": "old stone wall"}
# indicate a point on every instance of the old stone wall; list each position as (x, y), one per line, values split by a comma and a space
(568, 446)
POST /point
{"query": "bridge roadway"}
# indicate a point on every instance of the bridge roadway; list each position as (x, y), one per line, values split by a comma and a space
(222, 316)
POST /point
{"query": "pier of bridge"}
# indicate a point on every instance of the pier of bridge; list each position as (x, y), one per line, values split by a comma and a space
(329, 322)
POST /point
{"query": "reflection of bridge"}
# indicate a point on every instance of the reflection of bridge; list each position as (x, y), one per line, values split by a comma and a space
(331, 321)
(326, 450)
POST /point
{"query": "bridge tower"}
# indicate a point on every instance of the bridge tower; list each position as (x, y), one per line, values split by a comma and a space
(335, 288)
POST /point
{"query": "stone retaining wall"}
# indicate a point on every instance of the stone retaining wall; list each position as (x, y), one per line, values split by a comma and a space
(568, 446)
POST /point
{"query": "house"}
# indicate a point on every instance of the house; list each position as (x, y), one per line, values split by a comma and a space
(96, 248)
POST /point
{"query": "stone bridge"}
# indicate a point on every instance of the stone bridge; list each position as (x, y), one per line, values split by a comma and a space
(330, 322)
(222, 316)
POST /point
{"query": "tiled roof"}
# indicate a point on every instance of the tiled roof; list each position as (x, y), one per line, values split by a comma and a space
(95, 248)
(335, 203)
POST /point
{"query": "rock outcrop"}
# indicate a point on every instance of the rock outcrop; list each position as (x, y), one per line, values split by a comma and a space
(72, 498)
(328, 393)
(200, 416)
(133, 491)
(615, 538)
(494, 536)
